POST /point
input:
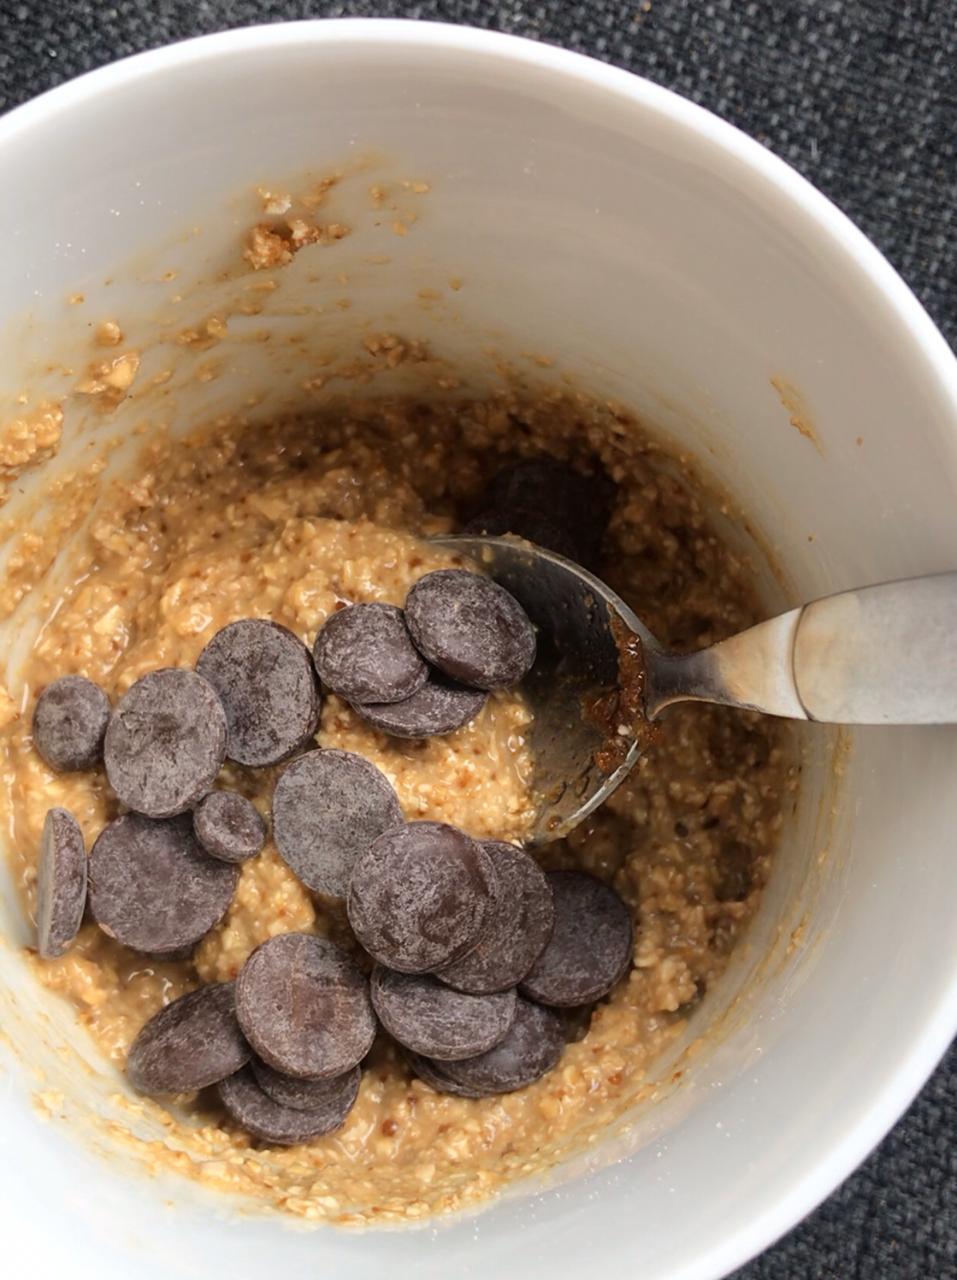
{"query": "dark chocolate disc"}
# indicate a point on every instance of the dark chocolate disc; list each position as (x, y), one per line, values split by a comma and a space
(327, 809)
(431, 1073)
(229, 826)
(153, 887)
(470, 628)
(533, 1045)
(304, 1006)
(364, 653)
(440, 706)
(518, 928)
(533, 526)
(591, 944)
(430, 1018)
(69, 723)
(252, 1108)
(420, 896)
(61, 883)
(165, 743)
(304, 1095)
(538, 493)
(267, 684)
(193, 1042)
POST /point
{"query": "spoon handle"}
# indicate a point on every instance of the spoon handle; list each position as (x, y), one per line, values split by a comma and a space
(879, 655)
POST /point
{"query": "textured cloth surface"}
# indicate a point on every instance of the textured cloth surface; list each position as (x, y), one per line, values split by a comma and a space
(861, 96)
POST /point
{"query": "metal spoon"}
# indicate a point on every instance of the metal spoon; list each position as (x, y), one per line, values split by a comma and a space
(885, 654)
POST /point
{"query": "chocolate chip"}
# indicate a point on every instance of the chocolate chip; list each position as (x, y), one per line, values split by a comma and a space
(61, 884)
(590, 946)
(430, 1018)
(431, 1073)
(69, 722)
(735, 867)
(176, 954)
(304, 1095)
(152, 887)
(267, 683)
(547, 485)
(304, 1006)
(518, 927)
(533, 526)
(229, 826)
(420, 896)
(576, 1022)
(165, 742)
(470, 628)
(440, 706)
(327, 808)
(365, 654)
(189, 1044)
(253, 1109)
(543, 489)
(533, 1045)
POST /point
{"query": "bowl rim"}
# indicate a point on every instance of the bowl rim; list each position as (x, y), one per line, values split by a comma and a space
(825, 1168)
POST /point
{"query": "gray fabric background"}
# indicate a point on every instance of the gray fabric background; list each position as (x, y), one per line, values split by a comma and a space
(861, 96)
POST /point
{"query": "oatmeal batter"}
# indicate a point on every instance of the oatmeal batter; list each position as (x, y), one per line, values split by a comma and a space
(289, 520)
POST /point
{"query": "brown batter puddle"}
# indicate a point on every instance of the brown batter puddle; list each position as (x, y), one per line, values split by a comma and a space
(289, 520)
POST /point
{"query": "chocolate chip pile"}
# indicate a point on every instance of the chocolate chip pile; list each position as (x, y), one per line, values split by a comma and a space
(471, 946)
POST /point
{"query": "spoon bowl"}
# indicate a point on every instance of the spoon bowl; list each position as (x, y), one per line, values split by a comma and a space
(885, 654)
(586, 689)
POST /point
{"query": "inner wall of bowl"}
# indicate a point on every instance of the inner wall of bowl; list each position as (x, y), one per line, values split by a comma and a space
(592, 241)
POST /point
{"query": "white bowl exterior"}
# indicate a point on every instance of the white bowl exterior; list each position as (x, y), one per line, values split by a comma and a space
(663, 260)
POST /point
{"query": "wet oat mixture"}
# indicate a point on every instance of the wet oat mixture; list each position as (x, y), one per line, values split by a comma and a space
(289, 521)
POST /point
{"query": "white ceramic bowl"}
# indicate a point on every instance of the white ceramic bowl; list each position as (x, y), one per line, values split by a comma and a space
(662, 258)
